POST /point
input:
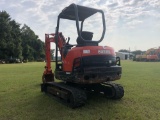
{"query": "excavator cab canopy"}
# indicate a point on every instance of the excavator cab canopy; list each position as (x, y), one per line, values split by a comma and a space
(79, 14)
(83, 12)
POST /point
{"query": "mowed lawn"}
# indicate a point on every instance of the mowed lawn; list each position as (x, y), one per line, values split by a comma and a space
(21, 99)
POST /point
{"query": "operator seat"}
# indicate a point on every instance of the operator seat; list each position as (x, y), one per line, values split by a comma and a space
(86, 35)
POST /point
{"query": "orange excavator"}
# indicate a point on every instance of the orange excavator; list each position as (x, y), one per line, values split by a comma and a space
(84, 67)
(152, 54)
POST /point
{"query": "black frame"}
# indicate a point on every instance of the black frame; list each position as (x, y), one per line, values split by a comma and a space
(78, 13)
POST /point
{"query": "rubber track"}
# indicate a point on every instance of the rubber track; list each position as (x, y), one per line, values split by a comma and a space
(119, 91)
(79, 96)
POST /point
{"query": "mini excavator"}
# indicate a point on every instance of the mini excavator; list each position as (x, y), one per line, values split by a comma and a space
(84, 67)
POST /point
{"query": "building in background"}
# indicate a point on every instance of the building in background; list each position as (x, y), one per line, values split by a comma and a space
(124, 55)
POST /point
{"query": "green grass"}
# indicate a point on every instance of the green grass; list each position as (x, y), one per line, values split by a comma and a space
(21, 99)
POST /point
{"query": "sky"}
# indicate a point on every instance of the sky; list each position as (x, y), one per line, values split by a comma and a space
(130, 24)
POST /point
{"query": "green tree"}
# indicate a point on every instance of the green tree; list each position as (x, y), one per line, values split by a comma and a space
(33, 48)
(10, 38)
(138, 52)
(4, 34)
(16, 37)
(16, 42)
(123, 50)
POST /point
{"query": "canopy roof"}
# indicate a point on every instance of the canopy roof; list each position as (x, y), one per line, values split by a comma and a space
(83, 12)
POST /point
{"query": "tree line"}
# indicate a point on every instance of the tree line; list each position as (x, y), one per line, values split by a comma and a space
(136, 52)
(18, 42)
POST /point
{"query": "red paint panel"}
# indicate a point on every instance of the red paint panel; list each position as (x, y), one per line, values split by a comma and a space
(85, 51)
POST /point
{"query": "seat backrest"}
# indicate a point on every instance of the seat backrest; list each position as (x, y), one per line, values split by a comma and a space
(85, 35)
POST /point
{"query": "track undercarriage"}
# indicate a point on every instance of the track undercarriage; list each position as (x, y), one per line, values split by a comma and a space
(75, 95)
